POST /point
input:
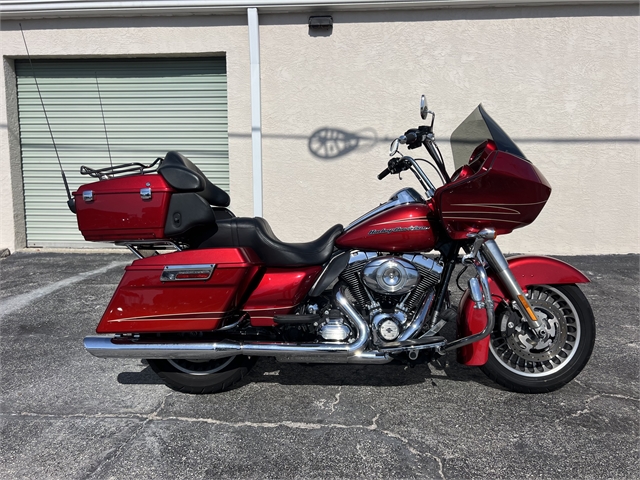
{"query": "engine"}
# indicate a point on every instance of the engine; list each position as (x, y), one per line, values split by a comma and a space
(390, 288)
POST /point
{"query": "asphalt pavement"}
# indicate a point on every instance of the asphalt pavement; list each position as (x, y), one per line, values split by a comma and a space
(66, 414)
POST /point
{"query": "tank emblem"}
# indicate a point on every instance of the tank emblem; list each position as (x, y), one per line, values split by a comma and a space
(412, 228)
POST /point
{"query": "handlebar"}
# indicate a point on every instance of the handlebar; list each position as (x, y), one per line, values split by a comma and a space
(383, 173)
(400, 164)
(414, 138)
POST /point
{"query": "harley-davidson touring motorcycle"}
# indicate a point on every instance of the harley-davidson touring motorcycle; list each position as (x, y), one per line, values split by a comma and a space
(211, 292)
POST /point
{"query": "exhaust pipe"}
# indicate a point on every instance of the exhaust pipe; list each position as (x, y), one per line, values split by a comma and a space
(124, 347)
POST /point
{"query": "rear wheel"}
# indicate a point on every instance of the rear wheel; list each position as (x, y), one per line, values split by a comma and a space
(202, 376)
(522, 362)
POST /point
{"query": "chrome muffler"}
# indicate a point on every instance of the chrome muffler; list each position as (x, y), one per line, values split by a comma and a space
(129, 347)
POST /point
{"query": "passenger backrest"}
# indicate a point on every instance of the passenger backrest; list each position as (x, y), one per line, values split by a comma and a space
(183, 175)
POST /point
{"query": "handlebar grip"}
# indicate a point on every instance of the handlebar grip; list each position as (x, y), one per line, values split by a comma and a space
(411, 137)
(383, 174)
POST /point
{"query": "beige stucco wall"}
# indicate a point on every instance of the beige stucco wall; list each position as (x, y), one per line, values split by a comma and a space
(562, 81)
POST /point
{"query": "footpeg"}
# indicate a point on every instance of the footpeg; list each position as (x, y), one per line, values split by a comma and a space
(296, 319)
(413, 345)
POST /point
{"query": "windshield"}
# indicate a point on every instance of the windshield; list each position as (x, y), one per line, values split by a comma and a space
(475, 130)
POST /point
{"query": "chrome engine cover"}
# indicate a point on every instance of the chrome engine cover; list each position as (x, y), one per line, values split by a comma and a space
(387, 327)
(335, 330)
(390, 275)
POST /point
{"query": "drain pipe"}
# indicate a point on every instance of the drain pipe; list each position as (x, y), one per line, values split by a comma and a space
(256, 120)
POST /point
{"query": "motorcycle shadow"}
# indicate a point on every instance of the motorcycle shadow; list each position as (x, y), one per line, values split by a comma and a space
(268, 370)
(146, 376)
(443, 370)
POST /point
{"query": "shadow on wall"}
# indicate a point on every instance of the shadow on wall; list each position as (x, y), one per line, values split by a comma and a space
(330, 143)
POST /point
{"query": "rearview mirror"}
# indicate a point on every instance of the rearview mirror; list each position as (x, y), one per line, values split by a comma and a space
(393, 148)
(424, 109)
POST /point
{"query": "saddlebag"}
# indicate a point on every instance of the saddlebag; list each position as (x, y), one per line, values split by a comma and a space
(192, 290)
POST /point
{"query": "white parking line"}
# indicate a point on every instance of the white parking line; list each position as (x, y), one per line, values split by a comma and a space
(20, 301)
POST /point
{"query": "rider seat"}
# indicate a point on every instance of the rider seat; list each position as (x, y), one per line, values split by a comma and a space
(255, 233)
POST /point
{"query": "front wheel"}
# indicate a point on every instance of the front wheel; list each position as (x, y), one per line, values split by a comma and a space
(206, 376)
(522, 362)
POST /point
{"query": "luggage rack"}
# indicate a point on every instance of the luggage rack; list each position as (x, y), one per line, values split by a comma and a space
(148, 248)
(123, 170)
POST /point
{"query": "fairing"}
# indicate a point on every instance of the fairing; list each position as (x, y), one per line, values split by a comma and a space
(498, 190)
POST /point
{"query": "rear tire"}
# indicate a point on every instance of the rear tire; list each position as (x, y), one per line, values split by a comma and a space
(199, 377)
(519, 361)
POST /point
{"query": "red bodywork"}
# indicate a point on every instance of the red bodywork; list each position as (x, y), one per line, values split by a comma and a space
(279, 292)
(528, 270)
(118, 212)
(404, 228)
(144, 303)
(496, 190)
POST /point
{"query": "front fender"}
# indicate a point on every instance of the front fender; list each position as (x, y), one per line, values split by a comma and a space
(528, 270)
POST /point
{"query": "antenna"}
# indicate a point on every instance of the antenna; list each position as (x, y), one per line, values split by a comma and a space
(103, 122)
(70, 202)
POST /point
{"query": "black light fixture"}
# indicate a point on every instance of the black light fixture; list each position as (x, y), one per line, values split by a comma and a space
(322, 23)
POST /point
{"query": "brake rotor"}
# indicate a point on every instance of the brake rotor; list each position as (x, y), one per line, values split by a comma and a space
(527, 345)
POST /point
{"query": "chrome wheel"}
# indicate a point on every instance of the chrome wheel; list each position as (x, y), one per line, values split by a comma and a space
(522, 362)
(522, 352)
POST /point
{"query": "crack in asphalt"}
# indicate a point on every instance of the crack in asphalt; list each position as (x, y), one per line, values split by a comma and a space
(148, 418)
(416, 452)
(155, 416)
(605, 394)
(586, 407)
(337, 395)
(597, 395)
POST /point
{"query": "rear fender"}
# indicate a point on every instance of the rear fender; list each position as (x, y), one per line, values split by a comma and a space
(528, 270)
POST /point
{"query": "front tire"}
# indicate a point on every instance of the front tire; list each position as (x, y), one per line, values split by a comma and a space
(521, 362)
(199, 377)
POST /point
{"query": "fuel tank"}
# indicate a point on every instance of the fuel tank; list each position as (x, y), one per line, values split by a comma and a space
(403, 224)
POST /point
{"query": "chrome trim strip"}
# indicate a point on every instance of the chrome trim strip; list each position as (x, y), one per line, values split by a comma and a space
(172, 272)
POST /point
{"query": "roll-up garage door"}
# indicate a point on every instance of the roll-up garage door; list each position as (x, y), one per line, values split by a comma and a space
(150, 106)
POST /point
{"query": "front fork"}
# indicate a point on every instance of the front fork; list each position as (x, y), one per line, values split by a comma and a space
(485, 248)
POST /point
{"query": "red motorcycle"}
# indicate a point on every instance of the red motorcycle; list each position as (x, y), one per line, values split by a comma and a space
(211, 292)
